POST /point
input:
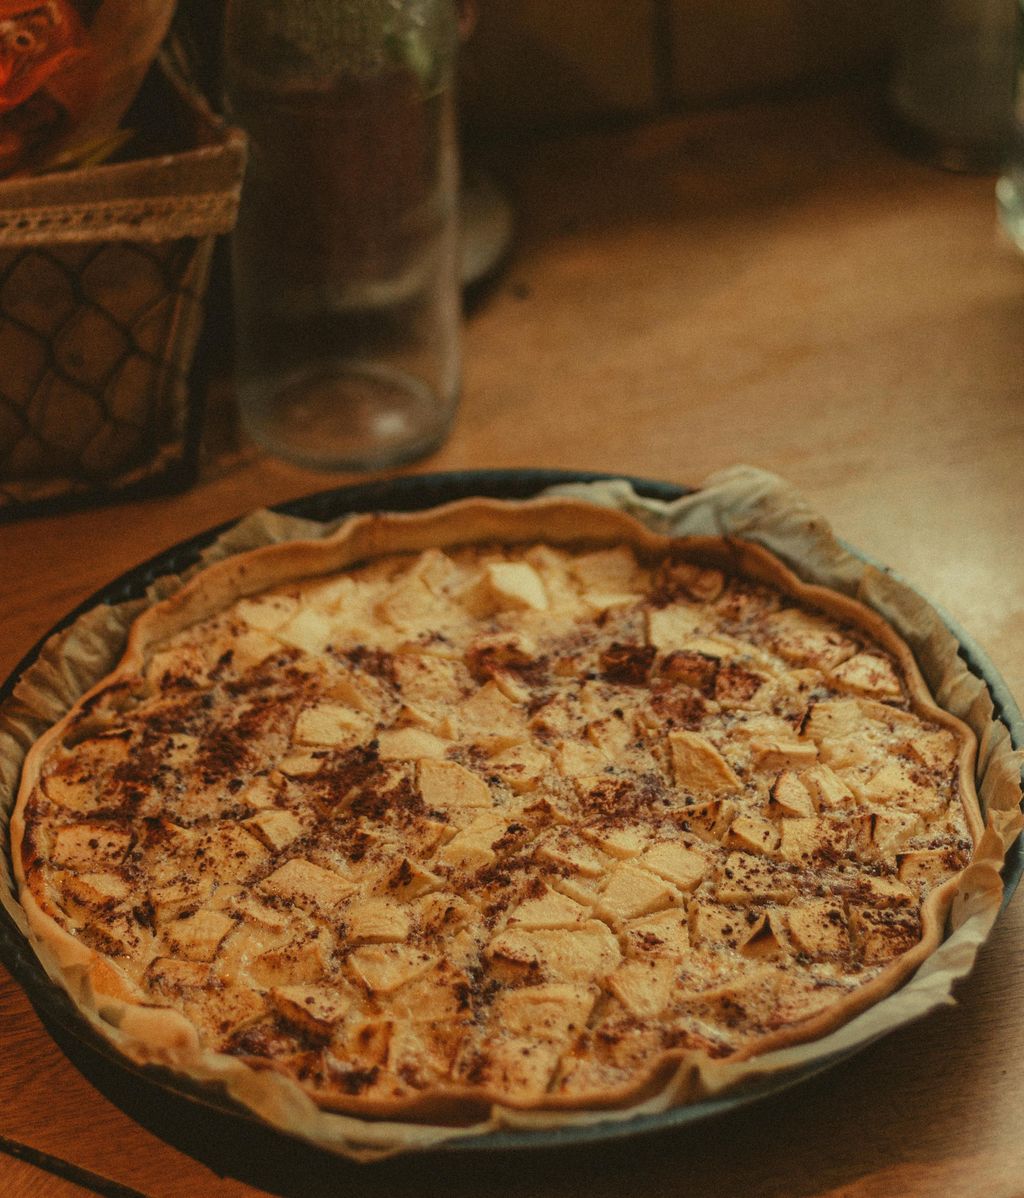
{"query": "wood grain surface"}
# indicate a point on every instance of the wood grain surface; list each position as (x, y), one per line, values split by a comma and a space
(770, 285)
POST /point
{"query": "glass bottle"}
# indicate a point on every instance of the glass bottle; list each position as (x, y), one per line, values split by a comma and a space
(345, 255)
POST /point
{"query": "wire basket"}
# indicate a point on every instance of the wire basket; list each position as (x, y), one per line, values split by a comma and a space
(103, 274)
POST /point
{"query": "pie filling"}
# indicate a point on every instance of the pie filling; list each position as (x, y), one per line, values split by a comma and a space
(516, 822)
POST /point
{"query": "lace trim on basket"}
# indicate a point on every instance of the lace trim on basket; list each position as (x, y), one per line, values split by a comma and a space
(160, 218)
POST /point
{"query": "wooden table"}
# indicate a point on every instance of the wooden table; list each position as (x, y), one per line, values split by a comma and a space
(773, 286)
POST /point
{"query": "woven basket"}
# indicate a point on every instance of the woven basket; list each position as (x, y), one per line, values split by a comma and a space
(103, 272)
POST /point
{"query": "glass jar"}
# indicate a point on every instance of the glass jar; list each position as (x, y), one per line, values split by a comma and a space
(345, 255)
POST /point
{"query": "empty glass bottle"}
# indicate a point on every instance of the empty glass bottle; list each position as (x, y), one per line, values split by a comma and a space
(346, 274)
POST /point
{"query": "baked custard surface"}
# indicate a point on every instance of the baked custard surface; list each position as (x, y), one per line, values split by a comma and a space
(528, 823)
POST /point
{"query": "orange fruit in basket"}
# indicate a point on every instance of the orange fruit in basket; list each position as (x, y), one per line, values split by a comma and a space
(36, 41)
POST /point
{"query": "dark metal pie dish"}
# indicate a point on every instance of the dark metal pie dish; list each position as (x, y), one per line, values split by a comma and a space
(190, 1114)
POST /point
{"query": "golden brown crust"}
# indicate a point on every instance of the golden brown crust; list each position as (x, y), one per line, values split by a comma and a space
(858, 936)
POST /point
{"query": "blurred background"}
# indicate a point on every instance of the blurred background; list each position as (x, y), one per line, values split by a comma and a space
(541, 63)
(544, 64)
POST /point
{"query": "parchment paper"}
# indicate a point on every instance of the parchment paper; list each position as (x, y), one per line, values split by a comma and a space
(742, 502)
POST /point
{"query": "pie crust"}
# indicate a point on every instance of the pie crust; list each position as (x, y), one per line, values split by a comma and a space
(513, 803)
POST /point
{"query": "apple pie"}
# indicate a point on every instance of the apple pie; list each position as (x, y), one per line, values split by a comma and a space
(501, 803)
